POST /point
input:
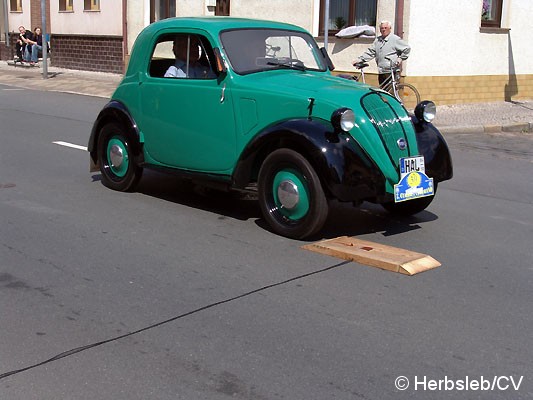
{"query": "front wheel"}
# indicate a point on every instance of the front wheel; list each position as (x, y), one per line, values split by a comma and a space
(408, 95)
(119, 171)
(290, 195)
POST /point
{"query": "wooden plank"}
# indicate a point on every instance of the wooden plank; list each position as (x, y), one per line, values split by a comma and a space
(375, 255)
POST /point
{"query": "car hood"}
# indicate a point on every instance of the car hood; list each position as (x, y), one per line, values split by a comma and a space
(310, 84)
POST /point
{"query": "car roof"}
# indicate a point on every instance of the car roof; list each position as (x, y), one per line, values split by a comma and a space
(216, 24)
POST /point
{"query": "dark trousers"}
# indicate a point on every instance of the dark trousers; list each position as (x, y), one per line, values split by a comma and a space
(20, 50)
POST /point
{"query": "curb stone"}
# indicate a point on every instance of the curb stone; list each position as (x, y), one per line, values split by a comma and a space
(461, 129)
(517, 127)
(521, 127)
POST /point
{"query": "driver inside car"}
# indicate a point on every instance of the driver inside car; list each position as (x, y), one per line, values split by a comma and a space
(187, 50)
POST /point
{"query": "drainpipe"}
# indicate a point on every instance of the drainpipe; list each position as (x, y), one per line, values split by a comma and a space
(6, 23)
(326, 25)
(124, 33)
(398, 23)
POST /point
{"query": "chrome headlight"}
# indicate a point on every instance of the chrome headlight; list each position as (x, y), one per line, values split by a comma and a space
(343, 119)
(425, 111)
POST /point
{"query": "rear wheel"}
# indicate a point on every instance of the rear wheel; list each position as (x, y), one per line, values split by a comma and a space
(291, 196)
(118, 168)
(408, 95)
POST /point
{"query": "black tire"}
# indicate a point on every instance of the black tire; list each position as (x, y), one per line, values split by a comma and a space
(408, 95)
(410, 207)
(290, 194)
(117, 164)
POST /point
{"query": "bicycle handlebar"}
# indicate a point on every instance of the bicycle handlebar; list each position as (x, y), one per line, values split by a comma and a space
(360, 65)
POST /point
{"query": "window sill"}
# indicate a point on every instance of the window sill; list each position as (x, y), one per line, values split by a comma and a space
(493, 29)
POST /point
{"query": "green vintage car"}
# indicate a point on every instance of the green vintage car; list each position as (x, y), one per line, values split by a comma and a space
(245, 104)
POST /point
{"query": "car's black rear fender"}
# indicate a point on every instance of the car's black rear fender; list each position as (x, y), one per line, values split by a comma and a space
(114, 112)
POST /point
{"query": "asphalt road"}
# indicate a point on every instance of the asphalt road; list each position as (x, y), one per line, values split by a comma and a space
(174, 292)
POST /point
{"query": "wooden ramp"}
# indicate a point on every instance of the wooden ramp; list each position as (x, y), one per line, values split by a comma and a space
(375, 255)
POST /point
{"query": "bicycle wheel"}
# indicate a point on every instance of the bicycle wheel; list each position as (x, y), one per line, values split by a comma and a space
(408, 95)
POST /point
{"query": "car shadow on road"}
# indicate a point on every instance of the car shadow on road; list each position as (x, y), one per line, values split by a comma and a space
(343, 220)
(347, 220)
(237, 205)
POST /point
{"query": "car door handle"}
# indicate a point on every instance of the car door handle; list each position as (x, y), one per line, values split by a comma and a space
(223, 94)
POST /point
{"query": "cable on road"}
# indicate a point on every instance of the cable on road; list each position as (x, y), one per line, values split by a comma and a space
(218, 303)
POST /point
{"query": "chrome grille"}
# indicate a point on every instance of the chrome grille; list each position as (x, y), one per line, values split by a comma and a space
(383, 113)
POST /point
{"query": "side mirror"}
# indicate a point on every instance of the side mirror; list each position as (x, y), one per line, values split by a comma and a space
(221, 66)
(325, 55)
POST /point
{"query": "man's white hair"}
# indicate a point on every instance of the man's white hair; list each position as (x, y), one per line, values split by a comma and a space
(387, 23)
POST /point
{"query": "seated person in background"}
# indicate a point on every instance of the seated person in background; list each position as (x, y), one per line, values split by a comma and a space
(21, 44)
(34, 46)
(186, 48)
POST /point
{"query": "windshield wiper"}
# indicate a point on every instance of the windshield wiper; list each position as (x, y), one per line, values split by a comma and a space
(288, 63)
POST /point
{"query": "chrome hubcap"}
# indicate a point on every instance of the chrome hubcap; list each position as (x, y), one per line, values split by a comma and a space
(116, 156)
(288, 194)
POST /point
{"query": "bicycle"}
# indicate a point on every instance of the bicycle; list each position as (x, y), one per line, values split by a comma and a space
(405, 93)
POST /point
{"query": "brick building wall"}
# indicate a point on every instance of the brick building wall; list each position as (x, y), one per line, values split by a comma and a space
(8, 53)
(89, 53)
(473, 89)
(4, 52)
(36, 16)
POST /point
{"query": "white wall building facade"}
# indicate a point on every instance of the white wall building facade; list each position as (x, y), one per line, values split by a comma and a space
(461, 52)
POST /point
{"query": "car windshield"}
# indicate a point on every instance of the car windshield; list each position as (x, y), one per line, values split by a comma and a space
(254, 50)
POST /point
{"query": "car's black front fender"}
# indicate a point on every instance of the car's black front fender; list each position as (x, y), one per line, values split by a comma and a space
(347, 173)
(433, 147)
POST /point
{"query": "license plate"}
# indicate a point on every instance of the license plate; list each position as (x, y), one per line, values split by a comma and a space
(414, 183)
(411, 164)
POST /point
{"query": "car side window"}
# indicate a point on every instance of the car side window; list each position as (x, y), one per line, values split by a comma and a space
(185, 56)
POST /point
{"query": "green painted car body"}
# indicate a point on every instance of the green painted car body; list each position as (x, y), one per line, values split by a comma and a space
(257, 106)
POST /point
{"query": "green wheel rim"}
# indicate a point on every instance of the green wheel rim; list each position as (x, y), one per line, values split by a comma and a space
(302, 206)
(118, 158)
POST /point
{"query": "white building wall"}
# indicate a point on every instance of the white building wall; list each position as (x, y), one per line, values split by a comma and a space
(107, 21)
(520, 50)
(138, 17)
(192, 8)
(449, 41)
(298, 12)
(386, 12)
(444, 35)
(17, 19)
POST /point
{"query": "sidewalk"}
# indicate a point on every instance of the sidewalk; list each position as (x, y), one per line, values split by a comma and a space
(97, 84)
(459, 118)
